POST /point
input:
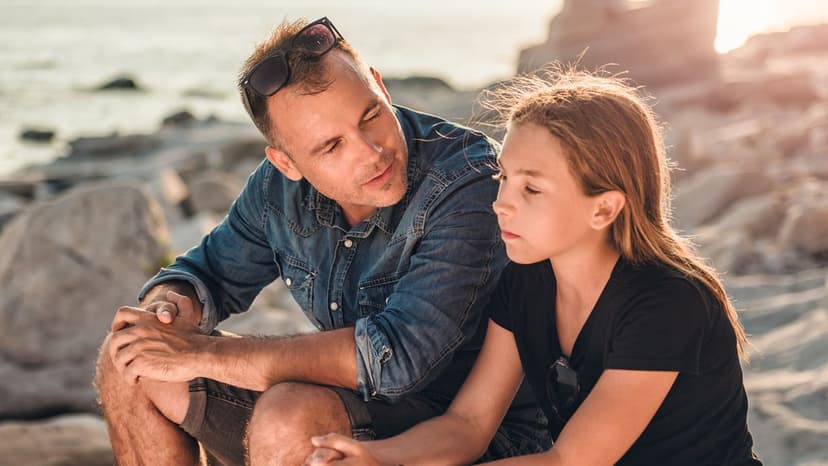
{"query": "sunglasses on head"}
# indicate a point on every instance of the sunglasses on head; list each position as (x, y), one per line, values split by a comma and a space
(562, 388)
(266, 78)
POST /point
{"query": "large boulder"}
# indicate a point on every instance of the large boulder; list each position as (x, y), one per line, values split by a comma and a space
(214, 191)
(659, 42)
(705, 195)
(73, 440)
(65, 266)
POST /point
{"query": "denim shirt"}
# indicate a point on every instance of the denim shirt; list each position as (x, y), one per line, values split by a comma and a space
(413, 279)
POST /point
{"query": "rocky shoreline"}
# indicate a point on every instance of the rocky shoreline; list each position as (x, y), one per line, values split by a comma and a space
(80, 235)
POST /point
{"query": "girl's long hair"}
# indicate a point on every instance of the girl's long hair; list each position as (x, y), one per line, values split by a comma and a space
(613, 142)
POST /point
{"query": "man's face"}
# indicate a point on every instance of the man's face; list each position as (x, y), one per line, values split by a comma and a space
(344, 140)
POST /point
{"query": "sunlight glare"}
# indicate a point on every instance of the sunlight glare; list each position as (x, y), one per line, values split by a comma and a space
(739, 19)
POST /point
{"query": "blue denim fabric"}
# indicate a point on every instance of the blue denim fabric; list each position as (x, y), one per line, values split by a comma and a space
(413, 279)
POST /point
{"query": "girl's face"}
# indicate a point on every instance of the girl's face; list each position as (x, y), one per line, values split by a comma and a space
(541, 209)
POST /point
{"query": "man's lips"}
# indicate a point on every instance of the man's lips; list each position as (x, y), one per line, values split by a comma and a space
(382, 177)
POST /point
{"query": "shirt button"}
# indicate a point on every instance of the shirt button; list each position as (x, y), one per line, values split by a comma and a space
(348, 243)
(334, 306)
(288, 281)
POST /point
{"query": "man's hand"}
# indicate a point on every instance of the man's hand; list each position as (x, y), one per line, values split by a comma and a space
(142, 346)
(174, 307)
(336, 449)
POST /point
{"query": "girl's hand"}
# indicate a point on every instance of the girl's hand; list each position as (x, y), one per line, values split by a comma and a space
(335, 449)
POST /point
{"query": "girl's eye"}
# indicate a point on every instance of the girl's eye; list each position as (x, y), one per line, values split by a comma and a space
(530, 190)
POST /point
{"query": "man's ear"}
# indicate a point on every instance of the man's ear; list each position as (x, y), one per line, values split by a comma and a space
(378, 79)
(608, 206)
(282, 161)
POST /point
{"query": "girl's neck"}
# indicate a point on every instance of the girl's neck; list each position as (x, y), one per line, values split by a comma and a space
(582, 274)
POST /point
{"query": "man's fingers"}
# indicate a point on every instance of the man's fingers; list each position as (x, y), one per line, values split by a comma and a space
(128, 316)
(165, 311)
(118, 344)
(183, 303)
(341, 443)
(322, 457)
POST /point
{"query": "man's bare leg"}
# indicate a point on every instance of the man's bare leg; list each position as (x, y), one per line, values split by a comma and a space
(286, 417)
(143, 419)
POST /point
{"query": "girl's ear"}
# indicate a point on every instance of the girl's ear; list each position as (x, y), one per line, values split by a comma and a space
(608, 206)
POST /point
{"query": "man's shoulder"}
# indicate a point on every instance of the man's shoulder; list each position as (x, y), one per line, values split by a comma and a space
(447, 151)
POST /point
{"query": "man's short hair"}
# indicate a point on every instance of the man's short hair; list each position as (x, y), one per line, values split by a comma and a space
(307, 72)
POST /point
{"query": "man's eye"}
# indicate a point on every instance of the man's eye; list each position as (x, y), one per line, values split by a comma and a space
(332, 147)
(373, 115)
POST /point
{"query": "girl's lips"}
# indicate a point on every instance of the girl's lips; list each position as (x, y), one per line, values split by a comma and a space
(508, 235)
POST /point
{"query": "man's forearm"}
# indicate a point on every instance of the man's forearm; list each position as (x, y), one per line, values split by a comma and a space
(258, 363)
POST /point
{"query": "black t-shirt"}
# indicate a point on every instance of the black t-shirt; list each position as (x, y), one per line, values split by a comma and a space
(647, 318)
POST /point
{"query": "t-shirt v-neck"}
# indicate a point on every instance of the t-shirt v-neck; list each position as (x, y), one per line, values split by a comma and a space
(585, 332)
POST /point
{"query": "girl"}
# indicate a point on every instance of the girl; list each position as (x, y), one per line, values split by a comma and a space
(625, 336)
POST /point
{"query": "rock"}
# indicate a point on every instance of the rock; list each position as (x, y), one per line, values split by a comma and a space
(781, 89)
(121, 83)
(419, 83)
(214, 191)
(239, 150)
(182, 118)
(706, 194)
(73, 440)
(10, 205)
(798, 40)
(274, 312)
(172, 193)
(112, 146)
(185, 234)
(756, 216)
(730, 251)
(641, 39)
(805, 228)
(65, 267)
(37, 135)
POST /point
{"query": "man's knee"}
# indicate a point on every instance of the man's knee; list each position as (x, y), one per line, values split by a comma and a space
(105, 373)
(291, 408)
(171, 399)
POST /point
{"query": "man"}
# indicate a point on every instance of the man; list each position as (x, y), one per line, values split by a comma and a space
(379, 221)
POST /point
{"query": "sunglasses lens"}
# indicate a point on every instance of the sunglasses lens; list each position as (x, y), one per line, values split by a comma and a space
(269, 76)
(317, 39)
(562, 387)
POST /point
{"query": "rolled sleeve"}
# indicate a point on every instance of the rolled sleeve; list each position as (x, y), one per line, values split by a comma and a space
(209, 318)
(439, 302)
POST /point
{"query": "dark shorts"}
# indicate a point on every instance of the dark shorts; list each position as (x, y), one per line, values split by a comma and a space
(218, 415)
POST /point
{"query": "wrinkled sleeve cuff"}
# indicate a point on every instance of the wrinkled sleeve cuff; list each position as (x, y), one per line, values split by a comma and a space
(373, 351)
(209, 317)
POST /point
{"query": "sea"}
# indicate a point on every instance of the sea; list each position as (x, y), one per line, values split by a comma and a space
(185, 54)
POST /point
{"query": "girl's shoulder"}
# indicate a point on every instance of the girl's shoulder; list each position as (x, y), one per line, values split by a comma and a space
(666, 287)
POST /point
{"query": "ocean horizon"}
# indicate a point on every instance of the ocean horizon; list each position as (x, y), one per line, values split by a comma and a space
(186, 55)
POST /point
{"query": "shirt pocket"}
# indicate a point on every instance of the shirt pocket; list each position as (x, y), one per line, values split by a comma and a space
(374, 293)
(299, 278)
